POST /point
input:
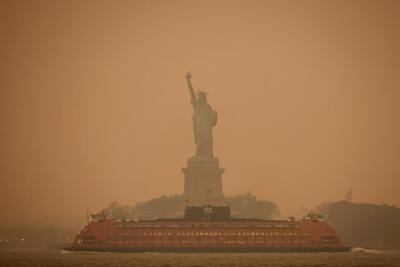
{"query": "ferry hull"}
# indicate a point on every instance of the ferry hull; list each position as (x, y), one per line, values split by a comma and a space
(211, 250)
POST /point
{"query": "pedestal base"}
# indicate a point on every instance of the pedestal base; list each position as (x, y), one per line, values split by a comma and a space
(203, 182)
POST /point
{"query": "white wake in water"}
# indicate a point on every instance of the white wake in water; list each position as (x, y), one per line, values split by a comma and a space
(82, 252)
(373, 251)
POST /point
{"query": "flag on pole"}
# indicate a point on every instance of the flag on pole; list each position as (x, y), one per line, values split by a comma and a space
(348, 196)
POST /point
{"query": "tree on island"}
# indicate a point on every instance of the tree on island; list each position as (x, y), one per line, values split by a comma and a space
(245, 205)
(364, 224)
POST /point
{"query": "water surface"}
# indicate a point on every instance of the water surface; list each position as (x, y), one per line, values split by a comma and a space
(15, 258)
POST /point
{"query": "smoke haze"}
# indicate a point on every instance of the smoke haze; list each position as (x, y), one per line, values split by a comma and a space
(94, 106)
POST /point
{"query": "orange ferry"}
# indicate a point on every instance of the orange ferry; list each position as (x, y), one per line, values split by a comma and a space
(208, 229)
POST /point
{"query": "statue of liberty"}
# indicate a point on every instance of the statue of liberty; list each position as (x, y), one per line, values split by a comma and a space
(204, 118)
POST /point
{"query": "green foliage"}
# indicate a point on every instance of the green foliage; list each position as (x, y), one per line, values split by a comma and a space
(161, 207)
(246, 205)
(362, 224)
(117, 211)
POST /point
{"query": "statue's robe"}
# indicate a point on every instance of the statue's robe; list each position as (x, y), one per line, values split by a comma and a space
(204, 118)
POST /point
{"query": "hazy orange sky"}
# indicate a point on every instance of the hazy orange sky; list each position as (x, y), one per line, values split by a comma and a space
(94, 105)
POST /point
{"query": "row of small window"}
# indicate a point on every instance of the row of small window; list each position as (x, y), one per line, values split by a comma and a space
(189, 242)
(134, 225)
(208, 234)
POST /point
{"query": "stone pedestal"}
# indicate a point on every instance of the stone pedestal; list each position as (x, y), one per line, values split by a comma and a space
(203, 182)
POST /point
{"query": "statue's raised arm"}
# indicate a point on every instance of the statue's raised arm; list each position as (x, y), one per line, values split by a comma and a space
(189, 84)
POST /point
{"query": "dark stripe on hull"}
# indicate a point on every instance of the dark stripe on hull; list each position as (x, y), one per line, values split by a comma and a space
(211, 250)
